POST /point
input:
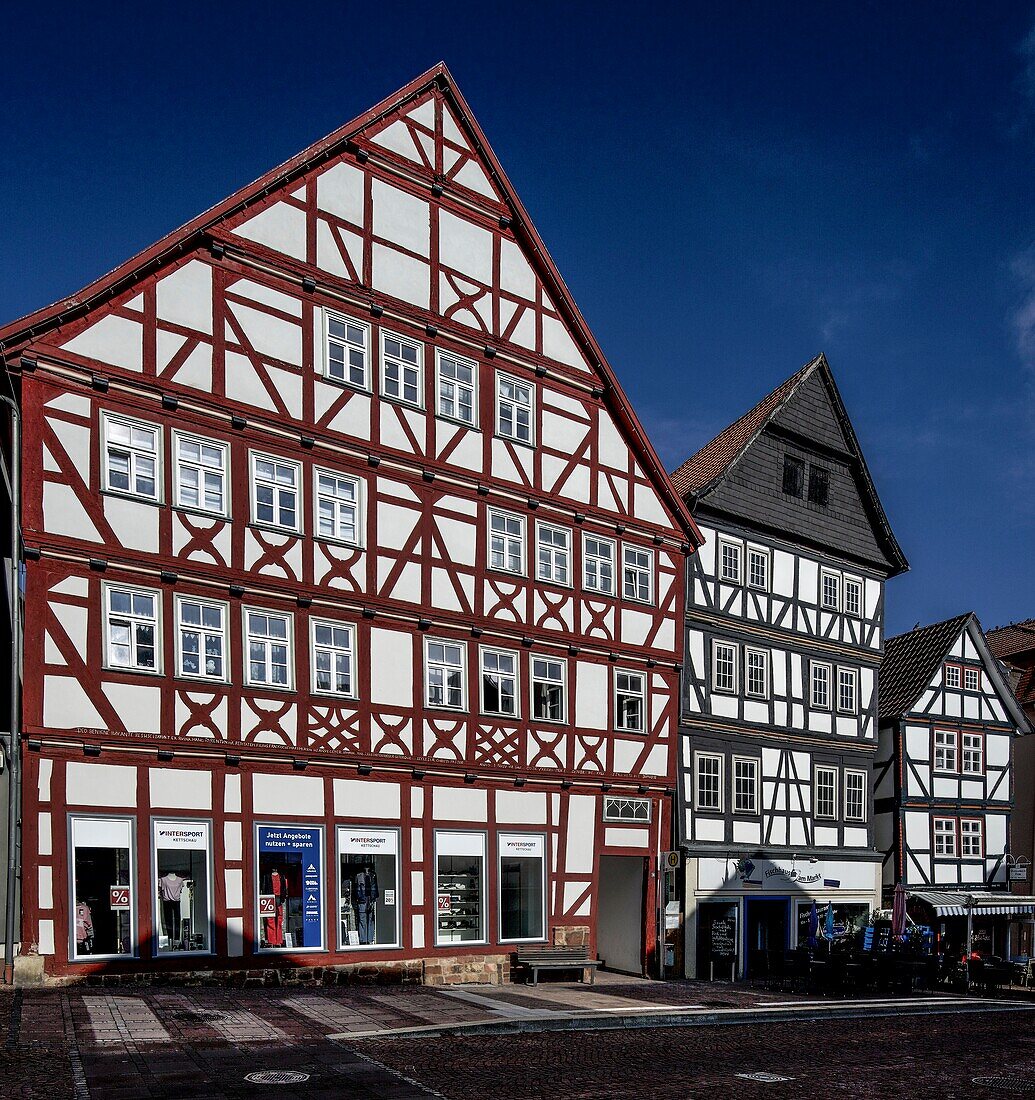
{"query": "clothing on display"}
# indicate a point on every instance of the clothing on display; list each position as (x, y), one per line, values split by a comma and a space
(277, 885)
(83, 928)
(366, 904)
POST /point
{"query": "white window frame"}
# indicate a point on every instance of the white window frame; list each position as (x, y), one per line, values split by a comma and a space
(828, 668)
(514, 436)
(968, 672)
(457, 387)
(847, 676)
(268, 641)
(632, 693)
(403, 365)
(223, 471)
(522, 538)
(134, 883)
(485, 651)
(715, 757)
(830, 772)
(563, 682)
(733, 551)
(762, 554)
(971, 838)
(975, 749)
(559, 557)
(946, 679)
(446, 667)
(340, 506)
(863, 778)
(592, 586)
(483, 856)
(107, 419)
(824, 576)
(255, 457)
(133, 619)
(949, 851)
(223, 633)
(328, 339)
(734, 649)
(859, 586)
(754, 780)
(754, 652)
(943, 749)
(335, 650)
(641, 571)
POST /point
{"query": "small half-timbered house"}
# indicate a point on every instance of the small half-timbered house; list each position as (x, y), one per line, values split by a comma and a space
(353, 587)
(785, 614)
(943, 779)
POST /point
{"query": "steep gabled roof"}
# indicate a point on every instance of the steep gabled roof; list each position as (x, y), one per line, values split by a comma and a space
(706, 470)
(1006, 641)
(16, 334)
(912, 659)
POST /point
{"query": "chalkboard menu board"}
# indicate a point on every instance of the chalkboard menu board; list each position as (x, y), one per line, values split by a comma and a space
(724, 935)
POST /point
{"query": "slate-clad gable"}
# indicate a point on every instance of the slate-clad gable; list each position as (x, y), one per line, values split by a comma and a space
(810, 414)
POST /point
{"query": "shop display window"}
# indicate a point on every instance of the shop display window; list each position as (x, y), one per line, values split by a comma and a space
(182, 887)
(290, 879)
(368, 887)
(460, 888)
(103, 887)
(522, 875)
(849, 918)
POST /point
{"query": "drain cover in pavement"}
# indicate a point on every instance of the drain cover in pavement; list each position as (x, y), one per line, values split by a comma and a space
(1006, 1084)
(765, 1078)
(201, 1016)
(277, 1077)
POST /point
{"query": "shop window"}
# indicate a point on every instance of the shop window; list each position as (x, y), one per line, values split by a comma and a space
(104, 896)
(460, 888)
(630, 701)
(849, 919)
(182, 886)
(522, 881)
(368, 887)
(290, 906)
(598, 565)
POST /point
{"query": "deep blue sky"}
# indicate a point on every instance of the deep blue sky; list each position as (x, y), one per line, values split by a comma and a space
(727, 189)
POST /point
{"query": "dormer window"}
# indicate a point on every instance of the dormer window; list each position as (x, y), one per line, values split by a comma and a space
(793, 476)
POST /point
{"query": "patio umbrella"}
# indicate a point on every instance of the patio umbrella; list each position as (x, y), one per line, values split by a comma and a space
(828, 927)
(898, 912)
(813, 924)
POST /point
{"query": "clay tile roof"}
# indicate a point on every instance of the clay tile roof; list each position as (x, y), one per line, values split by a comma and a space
(910, 661)
(715, 458)
(1025, 689)
(1005, 641)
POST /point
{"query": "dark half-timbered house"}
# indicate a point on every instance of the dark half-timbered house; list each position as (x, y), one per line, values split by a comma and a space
(785, 612)
(354, 587)
(943, 781)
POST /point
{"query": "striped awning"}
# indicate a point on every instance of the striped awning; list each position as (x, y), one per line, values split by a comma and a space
(982, 903)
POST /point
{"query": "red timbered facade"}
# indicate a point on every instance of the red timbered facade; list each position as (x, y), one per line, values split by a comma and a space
(353, 586)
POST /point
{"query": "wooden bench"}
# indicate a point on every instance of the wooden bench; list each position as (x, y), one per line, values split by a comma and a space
(545, 957)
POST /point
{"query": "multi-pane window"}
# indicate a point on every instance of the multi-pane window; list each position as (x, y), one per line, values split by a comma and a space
(506, 542)
(637, 573)
(756, 673)
(499, 682)
(945, 745)
(758, 568)
(945, 836)
(548, 680)
(133, 628)
(630, 701)
(953, 676)
(131, 454)
(724, 666)
(337, 507)
(853, 596)
(275, 492)
(201, 637)
(401, 362)
(348, 351)
(847, 691)
(444, 674)
(972, 755)
(972, 679)
(627, 809)
(456, 387)
(515, 404)
(819, 485)
(826, 792)
(333, 653)
(830, 590)
(598, 565)
(793, 476)
(268, 641)
(819, 676)
(708, 788)
(200, 474)
(745, 785)
(855, 795)
(553, 553)
(970, 837)
(729, 561)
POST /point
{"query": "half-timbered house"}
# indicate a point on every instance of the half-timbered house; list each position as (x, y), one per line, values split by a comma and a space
(353, 585)
(943, 781)
(785, 613)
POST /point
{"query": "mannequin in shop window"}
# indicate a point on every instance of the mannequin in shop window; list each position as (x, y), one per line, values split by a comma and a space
(83, 928)
(276, 884)
(366, 896)
(171, 888)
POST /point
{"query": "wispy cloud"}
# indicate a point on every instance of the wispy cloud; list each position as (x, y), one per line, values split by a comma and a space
(1022, 319)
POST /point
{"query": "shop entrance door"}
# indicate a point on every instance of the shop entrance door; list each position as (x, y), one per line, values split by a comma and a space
(766, 924)
(621, 902)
